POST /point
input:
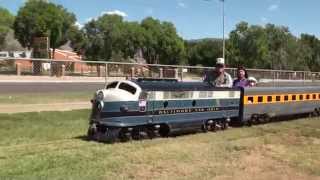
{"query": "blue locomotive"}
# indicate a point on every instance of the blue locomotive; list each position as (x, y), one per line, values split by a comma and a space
(150, 107)
(142, 108)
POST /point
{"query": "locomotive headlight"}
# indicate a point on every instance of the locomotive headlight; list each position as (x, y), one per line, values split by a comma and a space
(100, 96)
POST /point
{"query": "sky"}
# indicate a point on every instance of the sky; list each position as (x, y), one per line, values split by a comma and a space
(196, 19)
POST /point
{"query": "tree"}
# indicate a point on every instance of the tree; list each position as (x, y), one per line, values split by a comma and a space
(104, 37)
(6, 23)
(310, 45)
(204, 52)
(162, 43)
(110, 37)
(39, 18)
(266, 47)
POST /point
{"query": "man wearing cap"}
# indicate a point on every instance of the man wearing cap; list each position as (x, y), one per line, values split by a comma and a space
(218, 77)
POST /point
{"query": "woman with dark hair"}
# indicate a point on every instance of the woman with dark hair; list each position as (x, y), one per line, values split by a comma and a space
(242, 77)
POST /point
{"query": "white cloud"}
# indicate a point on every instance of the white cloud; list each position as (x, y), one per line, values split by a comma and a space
(182, 5)
(79, 25)
(90, 19)
(273, 7)
(115, 12)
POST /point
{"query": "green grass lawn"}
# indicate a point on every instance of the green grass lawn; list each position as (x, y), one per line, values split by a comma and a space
(51, 145)
(45, 98)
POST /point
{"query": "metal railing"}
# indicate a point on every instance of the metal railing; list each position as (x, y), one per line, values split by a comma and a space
(78, 68)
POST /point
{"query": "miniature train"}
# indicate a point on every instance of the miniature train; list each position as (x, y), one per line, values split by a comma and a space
(142, 108)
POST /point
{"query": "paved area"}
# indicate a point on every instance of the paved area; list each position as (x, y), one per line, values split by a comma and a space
(47, 87)
(20, 108)
(38, 84)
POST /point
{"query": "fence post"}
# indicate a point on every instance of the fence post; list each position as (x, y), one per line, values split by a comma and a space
(160, 72)
(304, 77)
(106, 72)
(132, 72)
(63, 70)
(18, 69)
(176, 73)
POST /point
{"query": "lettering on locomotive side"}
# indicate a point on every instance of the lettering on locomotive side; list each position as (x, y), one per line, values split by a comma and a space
(191, 110)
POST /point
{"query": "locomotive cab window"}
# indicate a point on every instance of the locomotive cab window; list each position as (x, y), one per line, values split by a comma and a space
(127, 87)
(112, 85)
(278, 98)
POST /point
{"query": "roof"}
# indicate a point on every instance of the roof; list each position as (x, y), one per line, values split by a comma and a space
(174, 85)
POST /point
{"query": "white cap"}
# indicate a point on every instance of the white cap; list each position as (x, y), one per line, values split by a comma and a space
(252, 79)
(220, 61)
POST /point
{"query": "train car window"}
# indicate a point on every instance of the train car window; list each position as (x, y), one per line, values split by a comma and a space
(314, 96)
(166, 95)
(278, 98)
(286, 98)
(269, 99)
(294, 97)
(308, 96)
(318, 96)
(127, 87)
(203, 94)
(250, 99)
(301, 97)
(112, 85)
(260, 99)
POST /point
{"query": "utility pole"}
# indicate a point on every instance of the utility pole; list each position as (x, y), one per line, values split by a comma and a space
(223, 38)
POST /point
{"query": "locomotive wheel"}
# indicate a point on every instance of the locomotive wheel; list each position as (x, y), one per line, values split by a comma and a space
(92, 133)
(151, 132)
(108, 135)
(164, 131)
(135, 134)
(205, 127)
(318, 111)
(124, 135)
(225, 125)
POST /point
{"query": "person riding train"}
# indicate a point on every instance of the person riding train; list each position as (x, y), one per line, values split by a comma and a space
(242, 78)
(218, 77)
